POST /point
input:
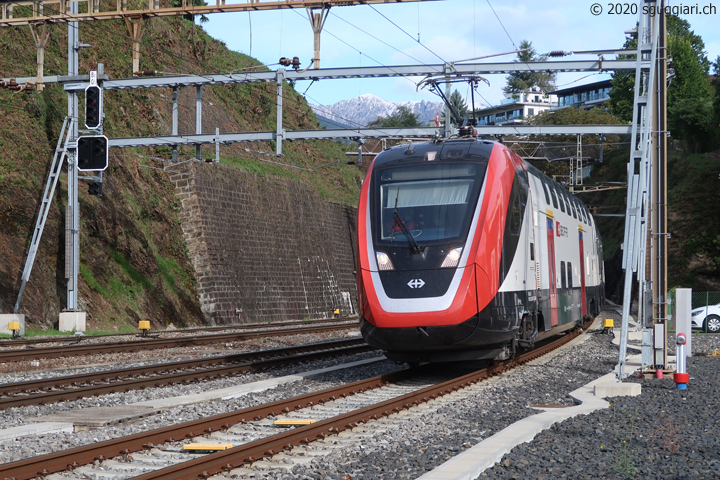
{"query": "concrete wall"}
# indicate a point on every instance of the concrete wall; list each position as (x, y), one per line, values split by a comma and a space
(265, 248)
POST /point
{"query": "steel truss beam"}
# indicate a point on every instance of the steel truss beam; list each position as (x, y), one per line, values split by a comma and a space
(363, 133)
(590, 66)
(12, 13)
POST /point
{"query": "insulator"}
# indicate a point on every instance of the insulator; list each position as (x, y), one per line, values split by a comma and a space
(557, 53)
(296, 63)
(285, 62)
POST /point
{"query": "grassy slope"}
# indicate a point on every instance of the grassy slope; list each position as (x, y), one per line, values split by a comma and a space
(133, 258)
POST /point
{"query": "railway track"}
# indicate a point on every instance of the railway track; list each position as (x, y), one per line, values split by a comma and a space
(147, 343)
(51, 390)
(23, 341)
(178, 464)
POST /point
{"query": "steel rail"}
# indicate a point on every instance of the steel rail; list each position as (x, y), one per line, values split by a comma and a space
(167, 367)
(55, 462)
(223, 461)
(14, 342)
(154, 343)
(201, 374)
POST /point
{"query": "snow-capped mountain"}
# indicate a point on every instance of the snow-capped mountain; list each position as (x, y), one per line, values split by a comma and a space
(357, 112)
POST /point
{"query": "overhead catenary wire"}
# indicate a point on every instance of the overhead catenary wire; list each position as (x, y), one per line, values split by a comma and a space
(406, 33)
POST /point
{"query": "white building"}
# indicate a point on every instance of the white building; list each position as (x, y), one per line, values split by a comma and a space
(517, 107)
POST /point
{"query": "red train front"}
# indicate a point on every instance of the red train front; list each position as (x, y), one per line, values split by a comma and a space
(444, 230)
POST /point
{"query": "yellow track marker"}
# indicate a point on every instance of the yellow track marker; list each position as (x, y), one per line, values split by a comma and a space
(208, 446)
(294, 421)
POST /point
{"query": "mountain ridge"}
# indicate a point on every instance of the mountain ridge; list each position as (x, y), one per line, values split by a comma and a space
(359, 111)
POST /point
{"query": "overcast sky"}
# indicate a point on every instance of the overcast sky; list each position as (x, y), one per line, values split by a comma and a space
(448, 30)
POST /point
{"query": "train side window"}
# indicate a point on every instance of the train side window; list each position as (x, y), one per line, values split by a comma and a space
(563, 282)
(560, 198)
(532, 252)
(570, 275)
(515, 215)
(554, 197)
(547, 195)
(573, 207)
(578, 207)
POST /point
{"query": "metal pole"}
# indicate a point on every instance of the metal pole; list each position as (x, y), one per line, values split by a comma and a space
(73, 221)
(279, 131)
(175, 114)
(198, 120)
(659, 191)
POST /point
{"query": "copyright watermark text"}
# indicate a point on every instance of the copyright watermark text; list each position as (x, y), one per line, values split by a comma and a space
(633, 9)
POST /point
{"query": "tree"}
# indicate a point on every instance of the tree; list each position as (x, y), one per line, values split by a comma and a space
(401, 117)
(716, 86)
(689, 89)
(518, 82)
(458, 104)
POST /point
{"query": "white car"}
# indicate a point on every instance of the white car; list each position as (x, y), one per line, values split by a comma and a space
(707, 318)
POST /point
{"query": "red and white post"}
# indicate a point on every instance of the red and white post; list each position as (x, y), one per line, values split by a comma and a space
(681, 376)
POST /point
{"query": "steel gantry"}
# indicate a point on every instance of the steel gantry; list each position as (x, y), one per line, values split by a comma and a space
(645, 220)
(40, 13)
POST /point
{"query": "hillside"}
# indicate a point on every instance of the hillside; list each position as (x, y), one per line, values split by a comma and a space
(694, 226)
(134, 261)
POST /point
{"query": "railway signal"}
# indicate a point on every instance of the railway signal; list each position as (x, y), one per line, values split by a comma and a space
(93, 107)
(92, 153)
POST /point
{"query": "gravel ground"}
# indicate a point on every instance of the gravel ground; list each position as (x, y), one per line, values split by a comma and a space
(663, 433)
(650, 436)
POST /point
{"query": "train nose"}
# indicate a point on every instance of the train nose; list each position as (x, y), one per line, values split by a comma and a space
(423, 338)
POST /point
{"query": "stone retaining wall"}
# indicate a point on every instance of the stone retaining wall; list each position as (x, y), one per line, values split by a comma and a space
(265, 248)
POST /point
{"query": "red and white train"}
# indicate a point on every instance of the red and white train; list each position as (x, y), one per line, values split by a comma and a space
(468, 252)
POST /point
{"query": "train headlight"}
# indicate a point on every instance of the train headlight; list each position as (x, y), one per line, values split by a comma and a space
(383, 261)
(452, 258)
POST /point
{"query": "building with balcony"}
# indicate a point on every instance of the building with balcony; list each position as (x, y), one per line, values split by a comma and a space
(516, 107)
(584, 96)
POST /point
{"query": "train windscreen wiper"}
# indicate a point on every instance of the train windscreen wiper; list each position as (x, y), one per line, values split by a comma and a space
(401, 223)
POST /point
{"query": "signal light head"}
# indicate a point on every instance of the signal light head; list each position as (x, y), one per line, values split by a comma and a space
(93, 107)
(92, 153)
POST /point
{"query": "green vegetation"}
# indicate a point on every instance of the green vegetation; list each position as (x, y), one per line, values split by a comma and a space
(693, 109)
(401, 117)
(134, 260)
(518, 82)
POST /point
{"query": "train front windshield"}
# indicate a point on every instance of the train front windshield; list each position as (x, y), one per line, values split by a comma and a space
(431, 203)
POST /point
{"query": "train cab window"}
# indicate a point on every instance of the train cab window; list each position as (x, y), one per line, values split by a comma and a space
(570, 275)
(431, 203)
(563, 281)
(573, 207)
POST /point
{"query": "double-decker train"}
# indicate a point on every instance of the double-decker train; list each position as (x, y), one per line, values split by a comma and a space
(466, 252)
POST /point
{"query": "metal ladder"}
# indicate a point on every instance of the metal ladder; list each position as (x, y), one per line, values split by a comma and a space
(58, 160)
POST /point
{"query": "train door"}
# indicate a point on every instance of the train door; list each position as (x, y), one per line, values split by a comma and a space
(582, 273)
(551, 268)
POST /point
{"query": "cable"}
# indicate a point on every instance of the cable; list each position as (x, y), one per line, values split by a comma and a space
(379, 39)
(501, 24)
(399, 28)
